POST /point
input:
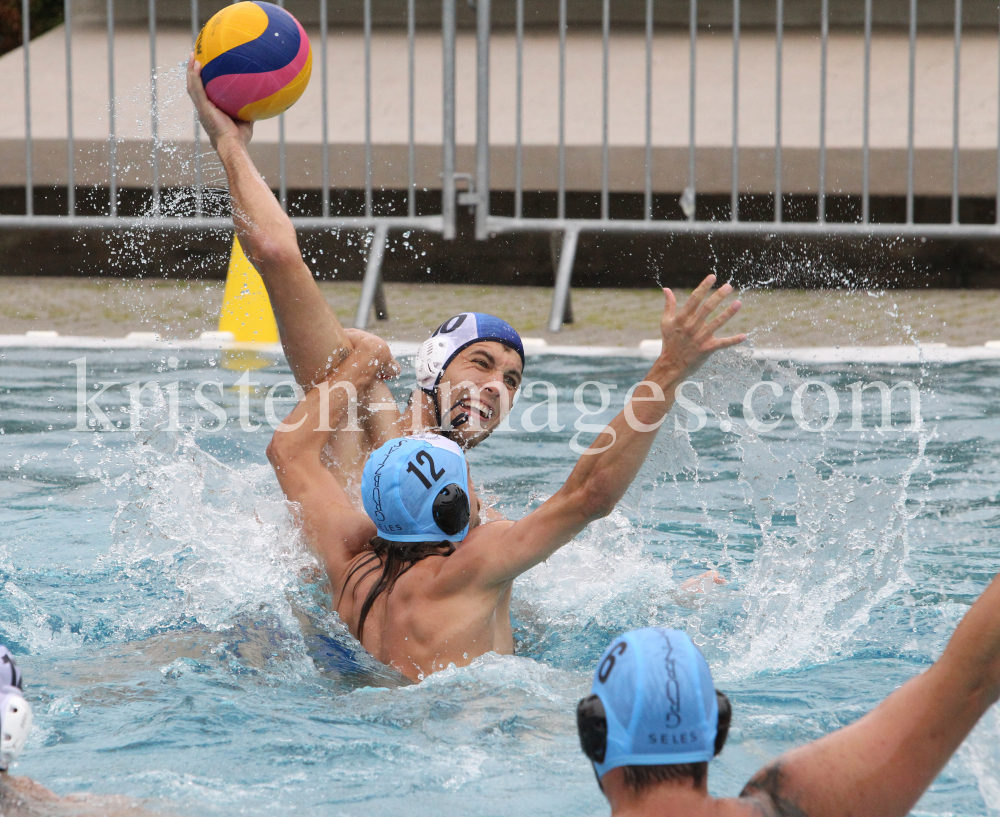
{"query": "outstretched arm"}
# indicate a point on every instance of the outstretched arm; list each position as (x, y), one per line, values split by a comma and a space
(333, 528)
(880, 765)
(605, 472)
(314, 341)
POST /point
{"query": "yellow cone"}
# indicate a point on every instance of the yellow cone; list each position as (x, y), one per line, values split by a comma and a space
(246, 312)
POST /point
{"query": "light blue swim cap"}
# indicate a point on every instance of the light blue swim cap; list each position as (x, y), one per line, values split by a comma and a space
(414, 490)
(452, 336)
(658, 698)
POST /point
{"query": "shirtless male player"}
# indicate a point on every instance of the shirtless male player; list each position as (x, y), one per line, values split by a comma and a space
(654, 721)
(468, 371)
(416, 578)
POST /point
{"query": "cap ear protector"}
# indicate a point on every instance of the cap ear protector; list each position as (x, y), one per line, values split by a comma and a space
(592, 724)
(15, 725)
(10, 675)
(451, 509)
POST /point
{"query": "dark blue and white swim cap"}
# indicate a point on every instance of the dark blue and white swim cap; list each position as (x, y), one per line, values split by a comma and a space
(658, 698)
(452, 336)
(415, 490)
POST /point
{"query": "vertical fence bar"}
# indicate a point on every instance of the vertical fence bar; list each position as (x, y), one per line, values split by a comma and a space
(692, 113)
(70, 147)
(112, 136)
(324, 30)
(29, 183)
(448, 117)
(955, 111)
(411, 156)
(482, 117)
(372, 291)
(866, 120)
(368, 108)
(647, 208)
(605, 48)
(282, 166)
(997, 216)
(779, 36)
(734, 202)
(561, 195)
(824, 40)
(199, 189)
(154, 107)
(911, 101)
(564, 277)
(519, 114)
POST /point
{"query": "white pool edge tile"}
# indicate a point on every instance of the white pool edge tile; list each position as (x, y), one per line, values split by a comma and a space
(648, 349)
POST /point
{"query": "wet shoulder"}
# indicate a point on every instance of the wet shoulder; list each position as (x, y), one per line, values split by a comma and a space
(481, 541)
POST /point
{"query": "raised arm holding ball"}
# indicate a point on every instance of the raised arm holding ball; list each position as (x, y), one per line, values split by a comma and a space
(479, 357)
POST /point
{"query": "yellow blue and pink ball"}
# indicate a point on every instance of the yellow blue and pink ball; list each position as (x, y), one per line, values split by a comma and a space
(255, 58)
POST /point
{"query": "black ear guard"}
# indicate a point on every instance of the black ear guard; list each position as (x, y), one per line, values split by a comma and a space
(451, 509)
(592, 724)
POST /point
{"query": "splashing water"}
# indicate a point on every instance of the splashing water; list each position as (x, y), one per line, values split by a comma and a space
(223, 537)
(184, 635)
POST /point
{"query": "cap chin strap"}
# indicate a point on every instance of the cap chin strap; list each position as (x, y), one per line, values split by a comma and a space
(436, 402)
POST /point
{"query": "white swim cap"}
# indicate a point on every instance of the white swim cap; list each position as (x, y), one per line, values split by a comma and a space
(15, 712)
(15, 724)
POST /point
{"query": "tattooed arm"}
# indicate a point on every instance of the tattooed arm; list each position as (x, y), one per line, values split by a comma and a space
(880, 765)
(766, 794)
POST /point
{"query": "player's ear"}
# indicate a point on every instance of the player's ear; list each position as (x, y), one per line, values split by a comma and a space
(725, 717)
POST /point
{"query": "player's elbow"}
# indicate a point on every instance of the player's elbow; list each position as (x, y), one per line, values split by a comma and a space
(274, 452)
(596, 502)
(277, 249)
(281, 449)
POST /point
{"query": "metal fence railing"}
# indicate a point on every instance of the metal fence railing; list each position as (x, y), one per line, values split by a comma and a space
(117, 154)
(488, 223)
(191, 213)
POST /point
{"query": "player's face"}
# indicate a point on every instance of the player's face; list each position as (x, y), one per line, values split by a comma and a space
(477, 390)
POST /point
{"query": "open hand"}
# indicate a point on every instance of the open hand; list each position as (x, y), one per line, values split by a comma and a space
(217, 124)
(689, 332)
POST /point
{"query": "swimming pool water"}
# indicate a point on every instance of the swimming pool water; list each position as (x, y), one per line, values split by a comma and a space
(177, 644)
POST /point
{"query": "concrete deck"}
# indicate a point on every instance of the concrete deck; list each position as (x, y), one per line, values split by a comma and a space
(182, 310)
(978, 121)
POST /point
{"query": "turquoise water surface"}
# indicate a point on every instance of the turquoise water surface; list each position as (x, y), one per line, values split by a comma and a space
(178, 647)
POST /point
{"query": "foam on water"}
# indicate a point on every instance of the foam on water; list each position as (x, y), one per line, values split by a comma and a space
(222, 536)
